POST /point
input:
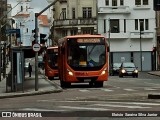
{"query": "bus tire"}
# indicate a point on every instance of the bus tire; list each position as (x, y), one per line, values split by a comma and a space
(65, 84)
(98, 84)
(62, 84)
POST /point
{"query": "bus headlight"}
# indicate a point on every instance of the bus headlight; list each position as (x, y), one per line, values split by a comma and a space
(104, 71)
(123, 71)
(70, 73)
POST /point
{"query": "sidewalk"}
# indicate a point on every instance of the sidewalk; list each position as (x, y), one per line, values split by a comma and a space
(28, 88)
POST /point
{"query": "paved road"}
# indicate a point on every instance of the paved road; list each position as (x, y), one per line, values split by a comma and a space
(118, 94)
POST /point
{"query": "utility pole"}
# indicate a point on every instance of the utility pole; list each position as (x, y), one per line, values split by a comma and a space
(0, 50)
(36, 41)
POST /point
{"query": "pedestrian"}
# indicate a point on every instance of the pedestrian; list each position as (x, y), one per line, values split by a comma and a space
(29, 69)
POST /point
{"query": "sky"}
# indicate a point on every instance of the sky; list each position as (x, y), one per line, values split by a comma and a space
(38, 5)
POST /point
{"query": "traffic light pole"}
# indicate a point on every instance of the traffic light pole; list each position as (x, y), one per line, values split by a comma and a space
(36, 41)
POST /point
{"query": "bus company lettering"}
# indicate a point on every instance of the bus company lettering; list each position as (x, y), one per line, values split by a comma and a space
(93, 40)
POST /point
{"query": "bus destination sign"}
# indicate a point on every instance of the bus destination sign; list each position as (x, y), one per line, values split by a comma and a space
(89, 40)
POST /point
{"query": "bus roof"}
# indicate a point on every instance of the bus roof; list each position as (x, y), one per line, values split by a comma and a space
(84, 35)
(52, 47)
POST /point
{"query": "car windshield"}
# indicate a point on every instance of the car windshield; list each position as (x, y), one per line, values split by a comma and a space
(116, 65)
(128, 65)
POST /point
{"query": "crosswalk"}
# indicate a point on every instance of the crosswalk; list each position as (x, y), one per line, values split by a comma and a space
(81, 105)
(116, 89)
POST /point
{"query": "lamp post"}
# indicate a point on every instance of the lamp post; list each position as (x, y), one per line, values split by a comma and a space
(141, 28)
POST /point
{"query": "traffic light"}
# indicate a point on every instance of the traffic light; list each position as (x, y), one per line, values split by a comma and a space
(43, 38)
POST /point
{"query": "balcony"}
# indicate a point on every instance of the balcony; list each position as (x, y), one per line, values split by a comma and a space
(143, 35)
(74, 22)
(115, 9)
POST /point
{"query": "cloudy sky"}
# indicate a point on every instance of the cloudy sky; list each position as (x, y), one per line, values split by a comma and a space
(38, 5)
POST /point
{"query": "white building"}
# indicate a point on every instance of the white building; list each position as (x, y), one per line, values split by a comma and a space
(119, 21)
(24, 16)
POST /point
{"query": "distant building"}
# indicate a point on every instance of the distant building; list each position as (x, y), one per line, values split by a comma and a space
(25, 21)
(119, 21)
(3, 18)
(73, 17)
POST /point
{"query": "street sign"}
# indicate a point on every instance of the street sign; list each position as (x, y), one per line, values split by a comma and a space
(9, 31)
(36, 47)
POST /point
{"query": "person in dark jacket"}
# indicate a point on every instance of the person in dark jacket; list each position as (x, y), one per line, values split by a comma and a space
(29, 69)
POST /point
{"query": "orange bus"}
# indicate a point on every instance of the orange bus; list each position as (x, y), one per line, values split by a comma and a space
(83, 58)
(51, 62)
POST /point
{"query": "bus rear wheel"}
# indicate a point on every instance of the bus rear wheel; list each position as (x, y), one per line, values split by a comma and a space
(98, 84)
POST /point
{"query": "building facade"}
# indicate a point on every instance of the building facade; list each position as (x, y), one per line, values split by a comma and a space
(131, 34)
(24, 16)
(73, 17)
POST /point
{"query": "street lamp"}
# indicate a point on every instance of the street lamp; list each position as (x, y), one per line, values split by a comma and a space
(141, 29)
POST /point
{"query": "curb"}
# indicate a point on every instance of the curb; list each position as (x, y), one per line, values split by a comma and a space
(56, 89)
(12, 95)
(153, 74)
(154, 95)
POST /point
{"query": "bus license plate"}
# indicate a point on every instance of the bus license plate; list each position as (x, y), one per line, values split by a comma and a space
(87, 80)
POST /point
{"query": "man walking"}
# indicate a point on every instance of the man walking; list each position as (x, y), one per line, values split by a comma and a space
(29, 69)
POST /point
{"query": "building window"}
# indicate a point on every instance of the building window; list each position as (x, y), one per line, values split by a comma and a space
(87, 12)
(142, 24)
(141, 2)
(73, 13)
(124, 25)
(137, 2)
(73, 32)
(146, 24)
(136, 24)
(114, 25)
(145, 2)
(114, 2)
(26, 30)
(107, 2)
(104, 25)
(21, 8)
(64, 33)
(121, 2)
(63, 13)
(87, 30)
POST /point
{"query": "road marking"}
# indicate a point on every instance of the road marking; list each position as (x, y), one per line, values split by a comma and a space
(129, 90)
(124, 106)
(149, 89)
(38, 109)
(83, 108)
(84, 90)
(106, 90)
(136, 103)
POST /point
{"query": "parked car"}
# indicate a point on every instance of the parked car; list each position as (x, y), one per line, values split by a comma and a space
(114, 70)
(128, 69)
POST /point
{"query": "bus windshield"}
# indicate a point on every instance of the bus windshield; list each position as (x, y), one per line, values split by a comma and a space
(86, 55)
(52, 58)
